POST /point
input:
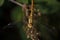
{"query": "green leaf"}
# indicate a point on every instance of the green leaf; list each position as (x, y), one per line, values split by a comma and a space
(23, 1)
(48, 6)
(21, 30)
(1, 2)
(17, 14)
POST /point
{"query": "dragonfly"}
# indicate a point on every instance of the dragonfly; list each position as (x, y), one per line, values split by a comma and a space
(30, 30)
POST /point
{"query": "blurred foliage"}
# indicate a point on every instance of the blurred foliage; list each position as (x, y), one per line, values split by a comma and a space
(1, 2)
(48, 6)
(49, 23)
(1, 13)
(22, 1)
(17, 14)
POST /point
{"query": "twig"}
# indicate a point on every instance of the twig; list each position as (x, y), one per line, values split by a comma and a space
(16, 3)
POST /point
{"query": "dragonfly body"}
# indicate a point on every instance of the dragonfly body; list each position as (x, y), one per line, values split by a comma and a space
(31, 31)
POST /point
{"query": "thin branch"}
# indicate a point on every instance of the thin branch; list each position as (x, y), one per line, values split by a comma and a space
(16, 3)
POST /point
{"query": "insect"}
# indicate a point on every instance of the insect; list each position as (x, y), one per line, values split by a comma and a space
(29, 12)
